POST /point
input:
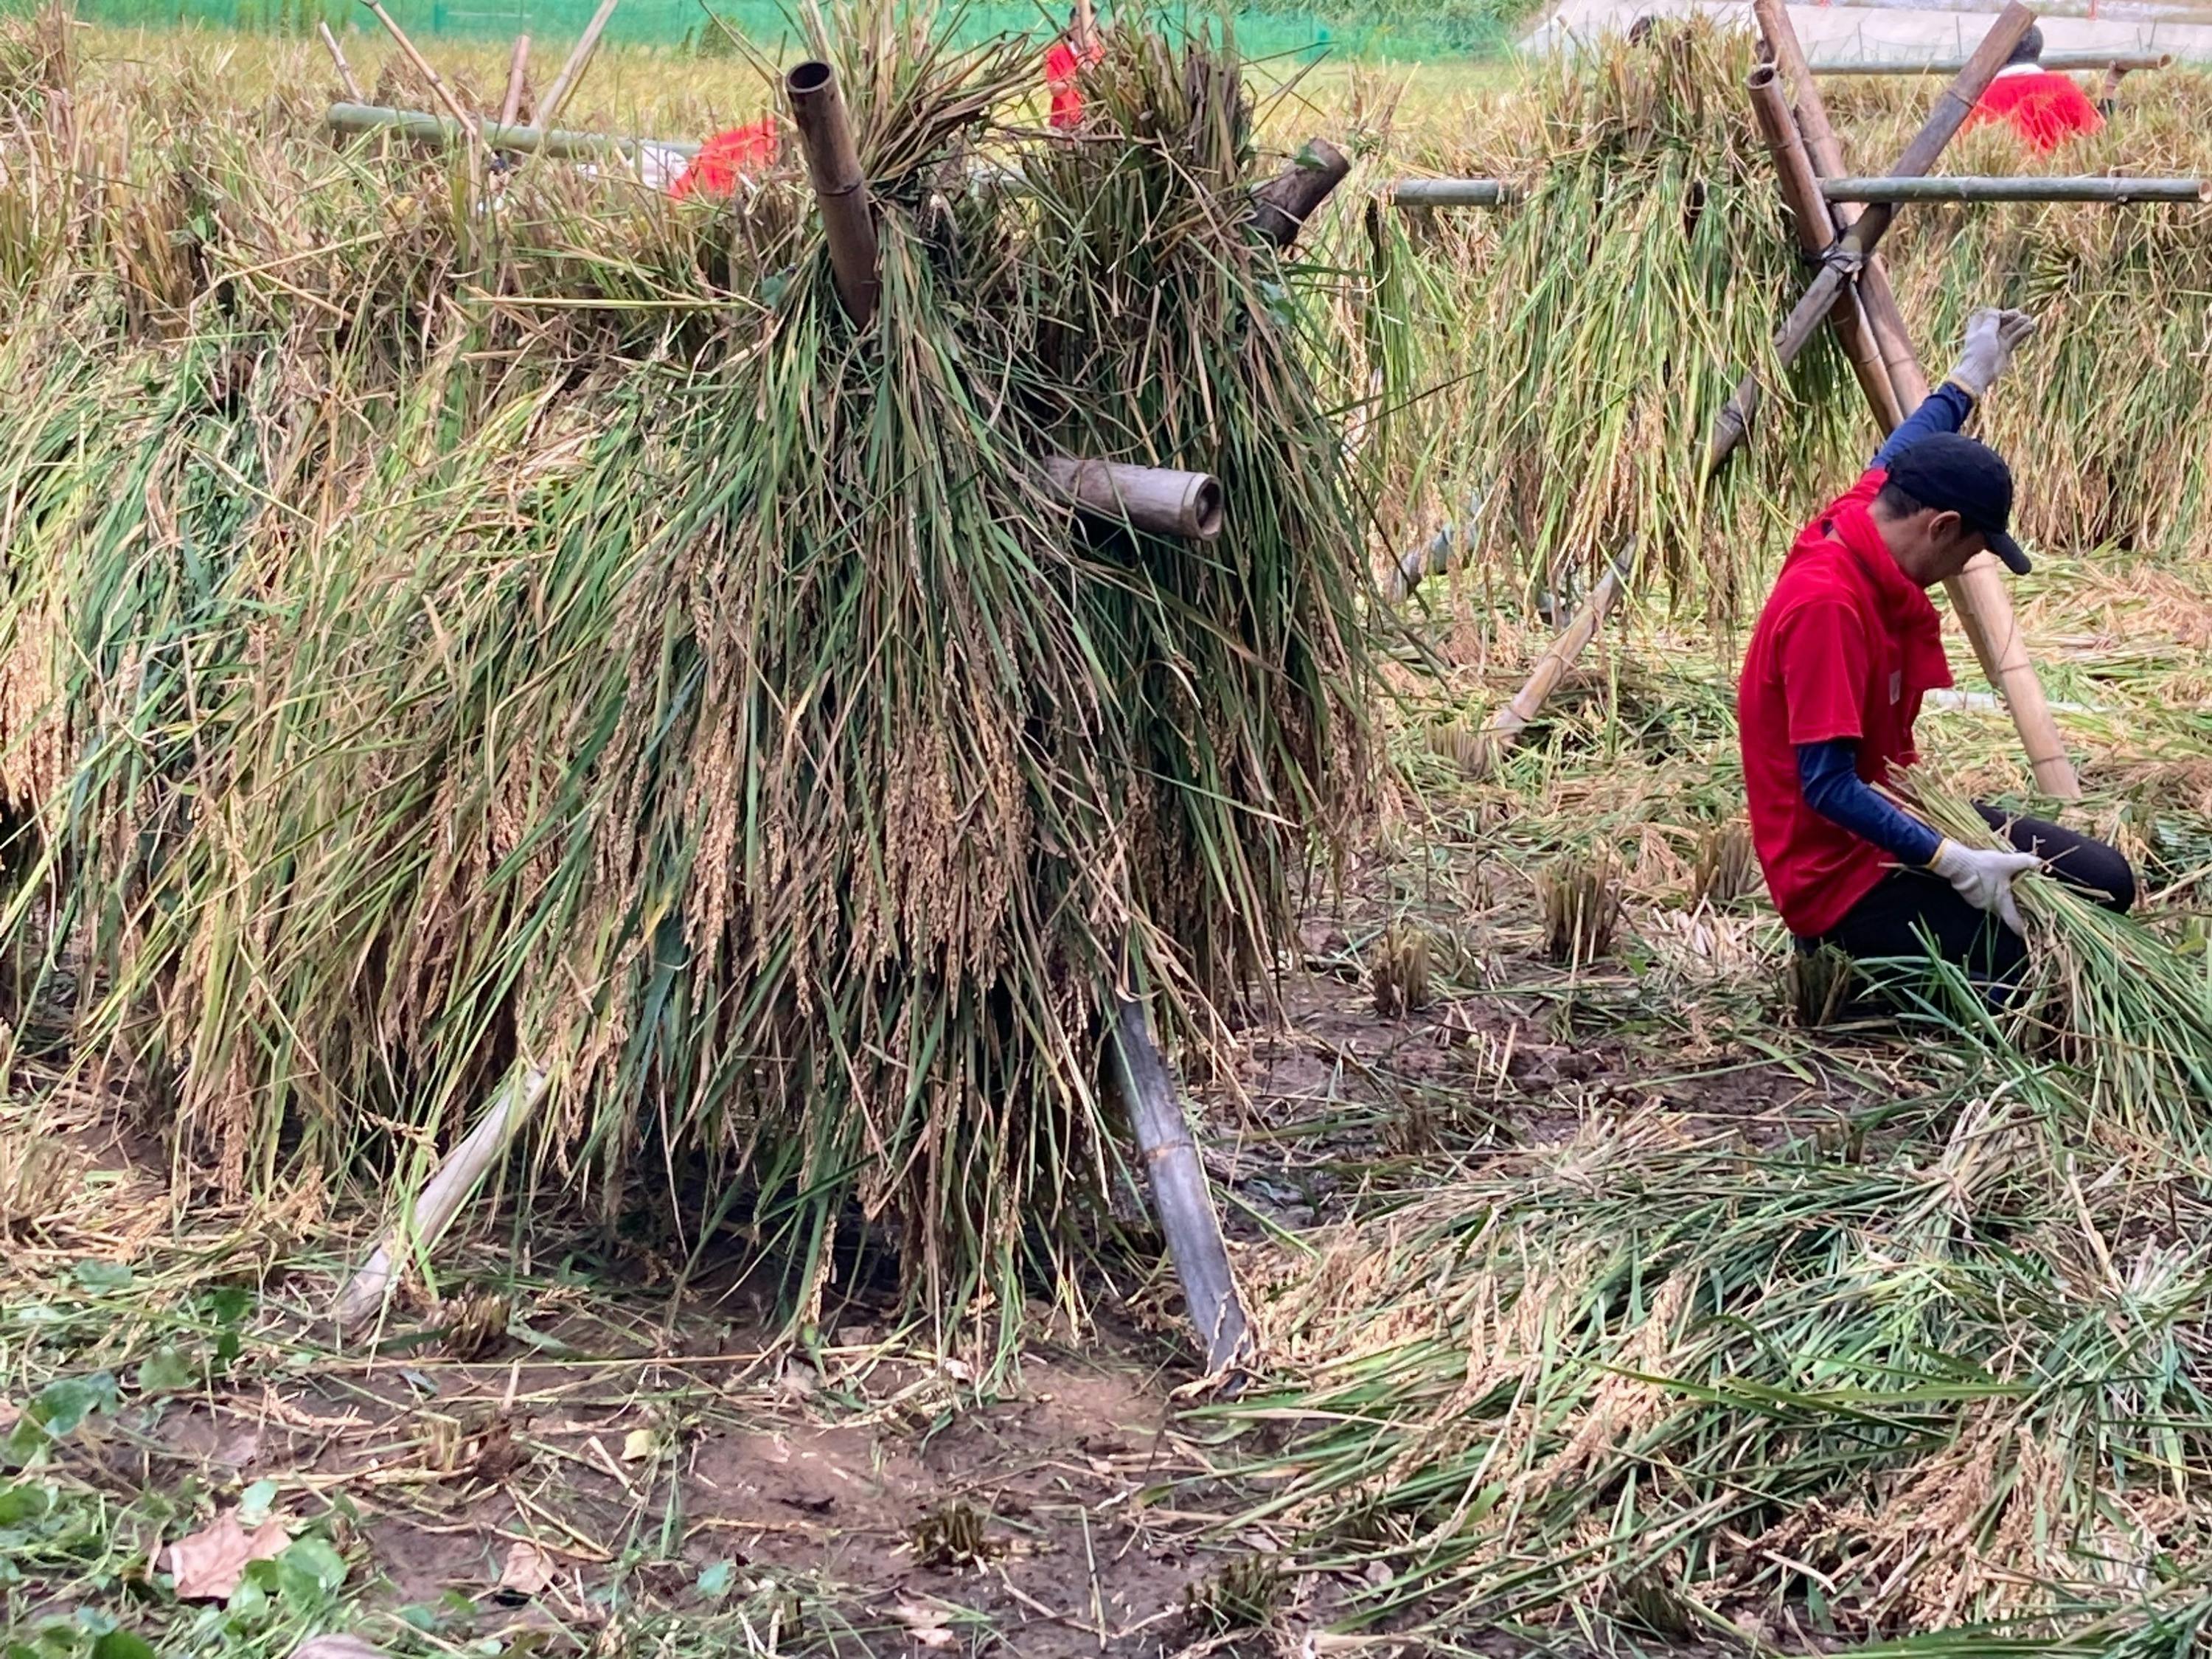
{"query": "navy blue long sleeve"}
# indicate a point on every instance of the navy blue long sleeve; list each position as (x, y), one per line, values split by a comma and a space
(1945, 409)
(1828, 772)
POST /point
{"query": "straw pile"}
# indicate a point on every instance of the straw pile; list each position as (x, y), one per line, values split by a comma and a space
(439, 638)
(1562, 358)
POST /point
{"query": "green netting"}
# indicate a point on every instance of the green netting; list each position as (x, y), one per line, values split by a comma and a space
(1359, 28)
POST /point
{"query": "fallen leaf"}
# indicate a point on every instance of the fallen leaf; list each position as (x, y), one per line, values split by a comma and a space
(208, 1564)
(922, 1624)
(337, 1647)
(528, 1570)
(640, 1445)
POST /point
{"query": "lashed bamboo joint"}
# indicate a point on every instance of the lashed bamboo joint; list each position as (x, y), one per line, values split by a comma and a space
(1150, 498)
(832, 165)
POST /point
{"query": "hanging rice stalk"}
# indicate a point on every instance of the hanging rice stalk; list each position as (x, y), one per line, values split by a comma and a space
(439, 640)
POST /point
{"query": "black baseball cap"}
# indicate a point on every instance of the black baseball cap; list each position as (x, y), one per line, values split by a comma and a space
(1956, 474)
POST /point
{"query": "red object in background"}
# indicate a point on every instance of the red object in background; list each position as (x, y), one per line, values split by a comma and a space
(741, 152)
(2044, 108)
(1062, 65)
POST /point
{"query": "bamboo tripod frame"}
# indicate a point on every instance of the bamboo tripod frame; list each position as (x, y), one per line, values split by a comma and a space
(1852, 291)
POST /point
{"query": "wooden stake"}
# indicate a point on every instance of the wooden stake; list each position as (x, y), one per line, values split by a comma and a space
(564, 84)
(518, 67)
(1180, 1196)
(345, 69)
(1978, 594)
(422, 1223)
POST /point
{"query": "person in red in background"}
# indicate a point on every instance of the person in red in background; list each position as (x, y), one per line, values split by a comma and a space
(744, 152)
(1064, 64)
(2043, 108)
(1846, 648)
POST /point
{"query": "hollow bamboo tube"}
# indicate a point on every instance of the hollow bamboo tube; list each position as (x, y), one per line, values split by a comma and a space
(1283, 203)
(2120, 192)
(825, 133)
(418, 1230)
(1816, 229)
(425, 128)
(518, 66)
(1451, 192)
(1978, 594)
(564, 84)
(1153, 498)
(346, 81)
(1180, 1196)
(2078, 62)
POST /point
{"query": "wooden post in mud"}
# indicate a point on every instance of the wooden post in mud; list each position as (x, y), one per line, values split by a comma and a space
(1181, 1197)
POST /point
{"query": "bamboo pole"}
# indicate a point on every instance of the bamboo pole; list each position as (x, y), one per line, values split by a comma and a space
(2078, 62)
(1180, 1196)
(2120, 192)
(1816, 229)
(1283, 203)
(425, 128)
(1451, 192)
(1850, 254)
(825, 133)
(1978, 594)
(518, 67)
(1153, 498)
(422, 1223)
(1506, 725)
(564, 84)
(352, 87)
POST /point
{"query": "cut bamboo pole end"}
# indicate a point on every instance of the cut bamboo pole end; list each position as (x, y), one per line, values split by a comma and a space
(1451, 192)
(2118, 191)
(833, 165)
(1150, 498)
(418, 1229)
(1282, 205)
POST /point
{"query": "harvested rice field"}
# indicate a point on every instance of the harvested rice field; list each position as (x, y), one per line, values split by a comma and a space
(674, 984)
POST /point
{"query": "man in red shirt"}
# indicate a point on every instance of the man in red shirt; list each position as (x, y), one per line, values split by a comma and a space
(2044, 108)
(1064, 62)
(1846, 648)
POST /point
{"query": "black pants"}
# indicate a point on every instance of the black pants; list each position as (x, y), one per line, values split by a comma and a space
(1906, 906)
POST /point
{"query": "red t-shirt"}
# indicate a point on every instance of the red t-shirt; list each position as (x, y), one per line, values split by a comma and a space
(2044, 108)
(1062, 67)
(742, 152)
(1845, 647)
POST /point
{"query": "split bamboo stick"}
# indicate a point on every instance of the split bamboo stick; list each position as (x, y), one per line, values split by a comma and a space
(833, 164)
(346, 81)
(518, 67)
(1978, 594)
(1180, 1196)
(1506, 725)
(564, 84)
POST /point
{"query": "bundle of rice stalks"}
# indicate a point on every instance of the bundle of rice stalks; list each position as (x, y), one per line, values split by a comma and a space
(1398, 970)
(1579, 898)
(1629, 1379)
(2111, 1011)
(441, 639)
(1727, 867)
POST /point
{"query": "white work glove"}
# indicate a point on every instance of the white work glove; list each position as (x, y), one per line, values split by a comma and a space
(1983, 879)
(1991, 337)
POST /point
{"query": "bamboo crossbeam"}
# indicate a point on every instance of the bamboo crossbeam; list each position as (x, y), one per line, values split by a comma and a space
(437, 130)
(2078, 62)
(2120, 192)
(1451, 192)
(1978, 594)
